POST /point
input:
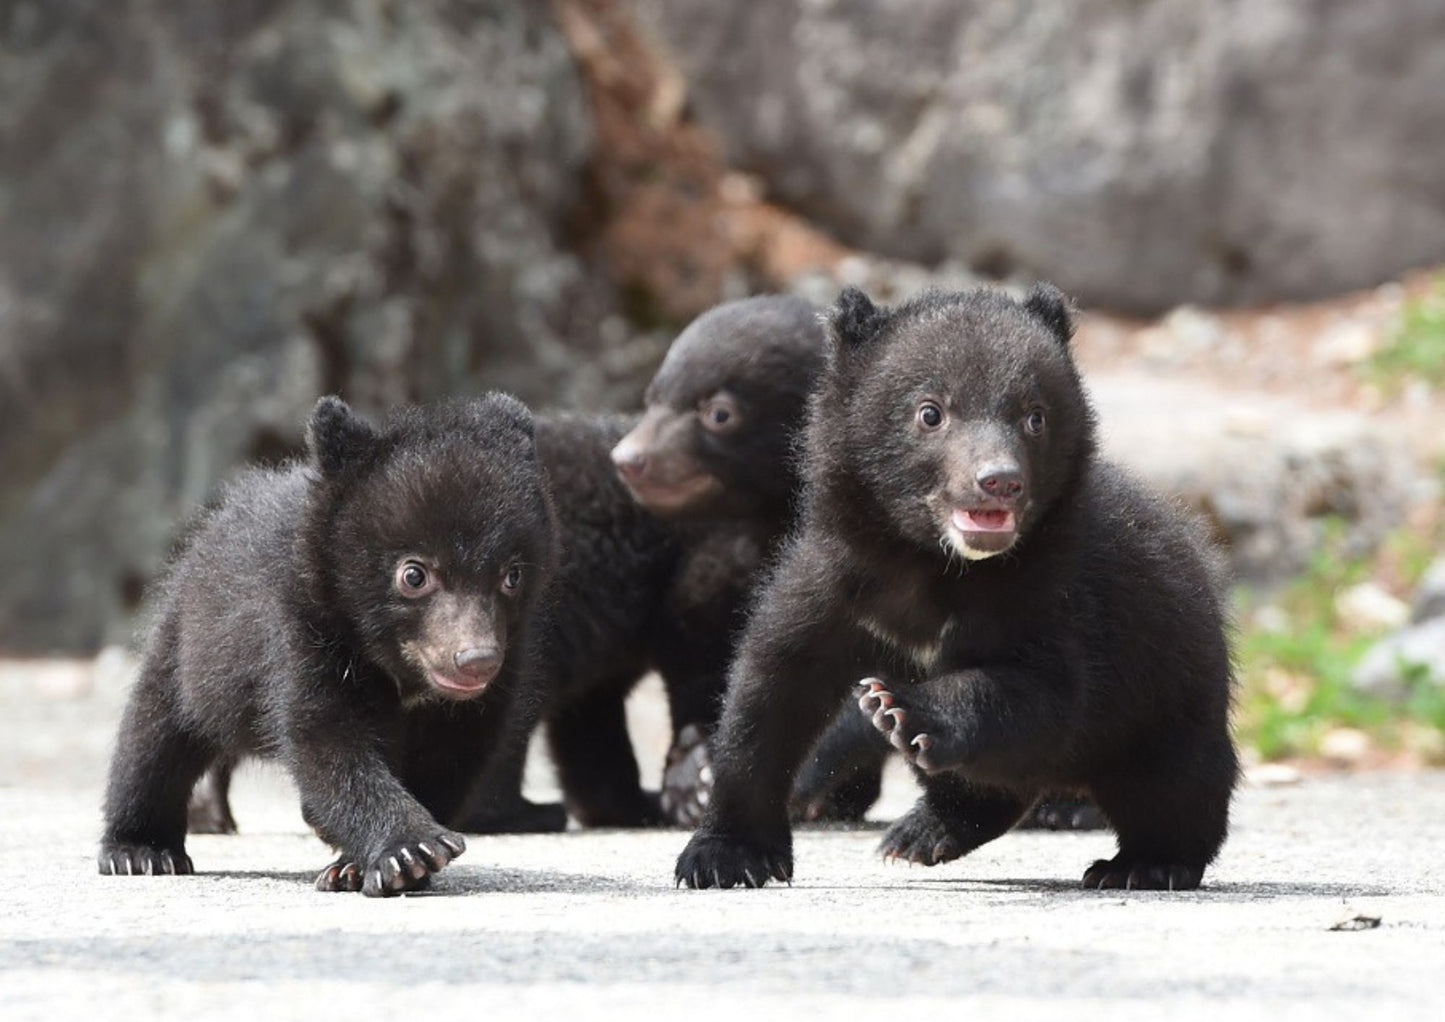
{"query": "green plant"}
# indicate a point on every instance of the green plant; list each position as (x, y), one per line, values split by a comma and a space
(1295, 673)
(1417, 345)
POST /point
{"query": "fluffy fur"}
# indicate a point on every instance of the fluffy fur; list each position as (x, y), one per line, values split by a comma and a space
(318, 611)
(665, 522)
(1020, 615)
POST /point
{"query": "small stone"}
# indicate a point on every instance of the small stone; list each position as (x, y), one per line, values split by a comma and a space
(1390, 665)
(1345, 746)
(1368, 607)
(1347, 344)
(1271, 618)
(1429, 601)
(1272, 775)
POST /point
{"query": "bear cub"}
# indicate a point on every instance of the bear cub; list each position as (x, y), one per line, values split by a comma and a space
(1022, 615)
(664, 522)
(315, 609)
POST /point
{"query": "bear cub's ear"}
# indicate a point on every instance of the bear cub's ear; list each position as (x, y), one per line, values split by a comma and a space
(855, 319)
(336, 435)
(1051, 305)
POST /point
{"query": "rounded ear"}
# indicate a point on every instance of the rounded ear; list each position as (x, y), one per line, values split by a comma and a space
(337, 436)
(514, 412)
(1049, 304)
(855, 320)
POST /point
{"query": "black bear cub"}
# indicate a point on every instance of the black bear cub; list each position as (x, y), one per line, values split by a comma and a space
(1022, 616)
(664, 523)
(714, 456)
(318, 607)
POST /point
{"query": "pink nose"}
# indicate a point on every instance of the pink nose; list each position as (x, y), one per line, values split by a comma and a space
(630, 461)
(479, 661)
(1006, 483)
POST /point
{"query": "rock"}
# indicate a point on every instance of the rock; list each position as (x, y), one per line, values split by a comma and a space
(210, 215)
(1271, 476)
(1345, 746)
(1368, 607)
(1272, 775)
(1390, 666)
(1140, 156)
(1429, 601)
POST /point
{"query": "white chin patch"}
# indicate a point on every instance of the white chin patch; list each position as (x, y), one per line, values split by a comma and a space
(958, 542)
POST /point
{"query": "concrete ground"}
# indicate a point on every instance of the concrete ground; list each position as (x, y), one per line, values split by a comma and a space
(589, 924)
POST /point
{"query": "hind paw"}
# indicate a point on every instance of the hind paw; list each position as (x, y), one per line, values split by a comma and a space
(686, 778)
(1123, 873)
(909, 728)
(921, 836)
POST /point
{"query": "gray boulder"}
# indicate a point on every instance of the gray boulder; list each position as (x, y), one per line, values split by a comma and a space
(1390, 665)
(1269, 474)
(212, 213)
(1138, 155)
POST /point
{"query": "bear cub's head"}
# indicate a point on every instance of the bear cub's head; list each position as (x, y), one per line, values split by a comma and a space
(723, 412)
(429, 537)
(960, 414)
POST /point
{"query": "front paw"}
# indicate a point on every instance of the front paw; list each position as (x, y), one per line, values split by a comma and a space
(406, 865)
(119, 858)
(716, 860)
(922, 836)
(909, 728)
(1135, 874)
(686, 778)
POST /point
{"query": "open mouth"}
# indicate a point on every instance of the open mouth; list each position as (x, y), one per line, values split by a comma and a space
(979, 533)
(983, 520)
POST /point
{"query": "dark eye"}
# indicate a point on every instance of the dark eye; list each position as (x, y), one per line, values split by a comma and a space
(1035, 422)
(930, 416)
(413, 579)
(719, 414)
(513, 579)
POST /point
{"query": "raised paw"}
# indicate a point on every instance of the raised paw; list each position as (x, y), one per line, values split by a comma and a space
(921, 836)
(712, 860)
(907, 728)
(1121, 873)
(404, 866)
(119, 859)
(686, 778)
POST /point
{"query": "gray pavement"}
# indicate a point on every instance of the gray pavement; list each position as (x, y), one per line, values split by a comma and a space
(589, 925)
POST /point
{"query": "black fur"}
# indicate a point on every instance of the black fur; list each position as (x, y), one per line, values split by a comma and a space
(656, 571)
(1024, 616)
(290, 627)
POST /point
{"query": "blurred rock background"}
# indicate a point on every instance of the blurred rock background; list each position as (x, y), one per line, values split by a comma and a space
(210, 214)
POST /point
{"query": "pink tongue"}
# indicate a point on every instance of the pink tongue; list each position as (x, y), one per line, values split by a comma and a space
(983, 521)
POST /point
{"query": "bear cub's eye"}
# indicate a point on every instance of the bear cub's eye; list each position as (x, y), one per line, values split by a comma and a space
(413, 579)
(930, 416)
(512, 580)
(719, 414)
(1035, 422)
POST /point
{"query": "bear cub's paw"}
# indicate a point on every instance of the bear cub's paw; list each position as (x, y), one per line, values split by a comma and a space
(922, 836)
(1126, 873)
(121, 859)
(686, 778)
(715, 860)
(404, 866)
(909, 727)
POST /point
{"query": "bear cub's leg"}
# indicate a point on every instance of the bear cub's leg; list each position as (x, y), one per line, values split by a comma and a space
(155, 764)
(951, 819)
